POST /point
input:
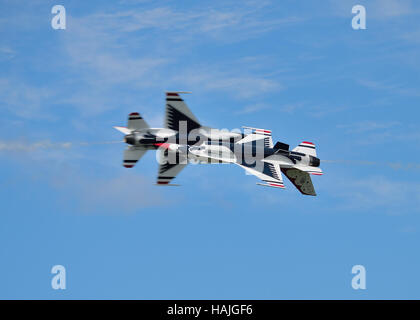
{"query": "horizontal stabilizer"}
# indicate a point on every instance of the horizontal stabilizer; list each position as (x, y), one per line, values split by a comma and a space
(257, 134)
(272, 185)
(257, 130)
(251, 137)
(132, 155)
(311, 170)
(124, 130)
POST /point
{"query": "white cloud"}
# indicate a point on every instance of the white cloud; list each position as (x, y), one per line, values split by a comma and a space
(376, 9)
(291, 107)
(236, 83)
(124, 194)
(105, 51)
(411, 137)
(366, 126)
(6, 53)
(400, 89)
(253, 108)
(24, 100)
(392, 8)
(209, 21)
(61, 166)
(408, 166)
(378, 192)
(103, 60)
(412, 36)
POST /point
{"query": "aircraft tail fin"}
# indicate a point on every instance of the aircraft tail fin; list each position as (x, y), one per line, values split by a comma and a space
(178, 114)
(135, 122)
(307, 148)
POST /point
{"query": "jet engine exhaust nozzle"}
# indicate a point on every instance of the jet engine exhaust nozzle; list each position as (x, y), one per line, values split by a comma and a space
(130, 139)
(314, 161)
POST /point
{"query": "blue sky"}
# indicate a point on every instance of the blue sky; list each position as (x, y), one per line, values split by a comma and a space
(294, 67)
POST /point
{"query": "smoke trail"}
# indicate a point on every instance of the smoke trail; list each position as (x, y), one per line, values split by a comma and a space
(44, 145)
(392, 165)
(360, 162)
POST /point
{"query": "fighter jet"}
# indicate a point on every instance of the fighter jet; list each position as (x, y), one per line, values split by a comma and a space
(181, 127)
(263, 160)
(184, 140)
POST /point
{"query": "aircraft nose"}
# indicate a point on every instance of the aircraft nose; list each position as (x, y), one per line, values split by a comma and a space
(129, 138)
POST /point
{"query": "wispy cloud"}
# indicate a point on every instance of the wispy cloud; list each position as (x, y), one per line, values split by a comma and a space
(92, 49)
(393, 8)
(102, 58)
(122, 194)
(391, 88)
(20, 146)
(377, 9)
(407, 166)
(311, 109)
(291, 107)
(210, 21)
(253, 108)
(23, 99)
(408, 229)
(6, 53)
(240, 86)
(378, 192)
(366, 126)
(412, 36)
(385, 136)
(59, 166)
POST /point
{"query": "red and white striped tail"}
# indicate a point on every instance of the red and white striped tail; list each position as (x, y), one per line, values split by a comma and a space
(307, 148)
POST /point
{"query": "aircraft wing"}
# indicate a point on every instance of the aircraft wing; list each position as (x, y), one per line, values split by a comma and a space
(167, 170)
(269, 174)
(301, 180)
